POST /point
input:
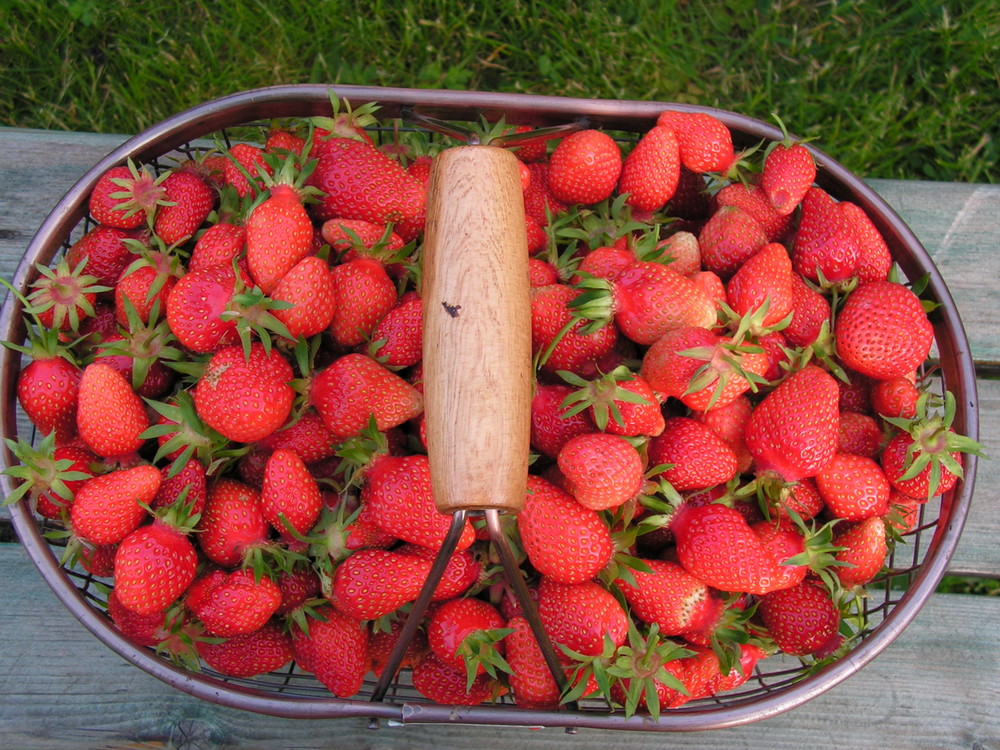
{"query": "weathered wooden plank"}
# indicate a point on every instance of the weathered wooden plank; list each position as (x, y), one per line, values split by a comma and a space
(936, 686)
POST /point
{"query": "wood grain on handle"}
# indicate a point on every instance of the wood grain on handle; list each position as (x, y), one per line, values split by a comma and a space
(476, 331)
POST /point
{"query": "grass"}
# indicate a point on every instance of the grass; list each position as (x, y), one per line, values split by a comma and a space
(893, 89)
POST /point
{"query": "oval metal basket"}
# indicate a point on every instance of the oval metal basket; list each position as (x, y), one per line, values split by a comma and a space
(777, 684)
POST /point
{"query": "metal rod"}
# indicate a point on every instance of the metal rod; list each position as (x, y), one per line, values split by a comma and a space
(528, 607)
(420, 605)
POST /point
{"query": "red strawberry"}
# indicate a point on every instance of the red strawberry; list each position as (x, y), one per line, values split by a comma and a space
(793, 432)
(446, 684)
(106, 253)
(530, 678)
(882, 330)
(651, 170)
(728, 239)
(533, 150)
(356, 388)
(764, 277)
(702, 675)
(895, 397)
(62, 297)
(309, 287)
(551, 423)
(729, 422)
(670, 597)
(47, 390)
(691, 200)
(865, 550)
(825, 245)
(189, 201)
(752, 199)
(364, 294)
(620, 403)
(189, 481)
(110, 417)
(371, 583)
(382, 642)
(245, 159)
(396, 339)
(353, 238)
(601, 471)
(788, 173)
(298, 586)
(231, 603)
(196, 306)
(584, 167)
(232, 523)
(875, 260)
(144, 630)
(51, 476)
(810, 310)
(154, 565)
(538, 198)
(220, 244)
(458, 632)
(706, 144)
(563, 540)
(245, 398)
(682, 252)
(802, 620)
(921, 469)
(109, 507)
(580, 616)
(283, 142)
(335, 648)
(144, 284)
(126, 197)
(278, 235)
(699, 458)
(716, 545)
(307, 436)
(267, 649)
(859, 434)
(462, 571)
(853, 487)
(784, 541)
(290, 495)
(568, 344)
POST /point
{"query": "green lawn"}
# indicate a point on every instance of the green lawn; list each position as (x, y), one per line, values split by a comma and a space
(890, 89)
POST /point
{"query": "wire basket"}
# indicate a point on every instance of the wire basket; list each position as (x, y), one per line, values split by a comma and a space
(777, 684)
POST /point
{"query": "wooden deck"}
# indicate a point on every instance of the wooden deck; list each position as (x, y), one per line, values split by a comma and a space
(936, 686)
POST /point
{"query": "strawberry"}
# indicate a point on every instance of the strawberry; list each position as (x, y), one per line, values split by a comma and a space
(669, 597)
(463, 634)
(539, 201)
(106, 253)
(706, 145)
(532, 150)
(681, 251)
(279, 234)
(579, 616)
(826, 248)
(853, 487)
(864, 551)
(875, 261)
(698, 457)
(354, 389)
(462, 571)
(397, 339)
(729, 423)
(197, 307)
(601, 471)
(145, 284)
(245, 160)
(290, 495)
(63, 297)
(126, 197)
(283, 142)
(47, 389)
(188, 201)
(882, 330)
(561, 335)
(923, 467)
(802, 619)
(50, 475)
(310, 290)
(552, 423)
(787, 544)
(810, 311)
(232, 524)
(651, 170)
(267, 649)
(109, 507)
(895, 397)
(859, 434)
(703, 676)
(335, 648)
(788, 173)
(110, 417)
(584, 167)
(531, 681)
(360, 182)
(716, 545)
(186, 487)
(307, 437)
(220, 244)
(143, 630)
(446, 684)
(297, 585)
(691, 200)
(793, 432)
(364, 294)
(562, 539)
(382, 642)
(354, 238)
(233, 603)
(619, 402)
(154, 565)
(245, 397)
(372, 583)
(752, 199)
(728, 239)
(765, 277)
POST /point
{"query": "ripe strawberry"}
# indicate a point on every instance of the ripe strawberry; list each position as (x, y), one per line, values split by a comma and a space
(143, 630)
(335, 648)
(752, 199)
(459, 634)
(462, 571)
(788, 173)
(924, 466)
(245, 397)
(619, 402)
(793, 432)
(853, 487)
(290, 495)
(669, 597)
(145, 284)
(189, 200)
(154, 565)
(728, 239)
(267, 649)
(826, 248)
(232, 524)
(706, 144)
(651, 170)
(188, 481)
(360, 182)
(703, 677)
(109, 507)
(446, 684)
(568, 344)
(681, 251)
(382, 642)
(47, 390)
(233, 603)
(860, 434)
(126, 197)
(197, 305)
(110, 417)
(354, 238)
(105, 252)
(875, 261)
(220, 244)
(691, 200)
(584, 167)
(802, 620)
(310, 290)
(372, 583)
(895, 397)
(354, 389)
(279, 234)
(531, 681)
(865, 550)
(764, 277)
(532, 150)
(539, 200)
(729, 422)
(283, 142)
(882, 330)
(245, 159)
(698, 457)
(397, 340)
(785, 541)
(364, 294)
(562, 539)
(579, 616)
(716, 545)
(601, 471)
(307, 436)
(552, 424)
(50, 475)
(810, 310)
(63, 297)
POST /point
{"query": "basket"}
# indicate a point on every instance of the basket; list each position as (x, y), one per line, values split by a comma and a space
(777, 684)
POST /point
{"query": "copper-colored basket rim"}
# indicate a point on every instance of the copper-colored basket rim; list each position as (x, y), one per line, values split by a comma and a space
(957, 370)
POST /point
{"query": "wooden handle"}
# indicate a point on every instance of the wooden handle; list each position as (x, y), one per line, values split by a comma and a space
(476, 331)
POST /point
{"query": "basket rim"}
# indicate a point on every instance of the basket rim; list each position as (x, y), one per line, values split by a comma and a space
(313, 99)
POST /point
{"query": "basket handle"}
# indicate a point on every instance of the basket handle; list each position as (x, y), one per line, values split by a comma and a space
(476, 331)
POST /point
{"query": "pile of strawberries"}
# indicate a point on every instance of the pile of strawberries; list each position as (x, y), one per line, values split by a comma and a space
(729, 423)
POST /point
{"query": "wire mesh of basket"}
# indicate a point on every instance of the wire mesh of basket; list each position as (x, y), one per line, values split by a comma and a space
(778, 684)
